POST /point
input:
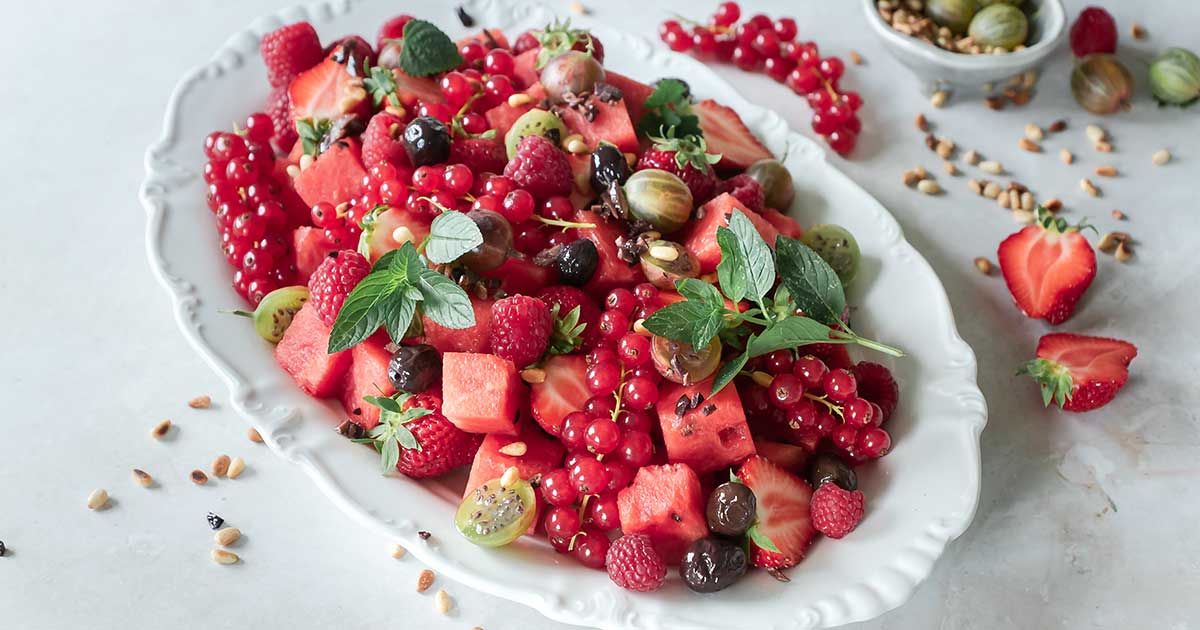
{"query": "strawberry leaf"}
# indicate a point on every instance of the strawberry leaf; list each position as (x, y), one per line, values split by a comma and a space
(567, 334)
(762, 540)
(1054, 379)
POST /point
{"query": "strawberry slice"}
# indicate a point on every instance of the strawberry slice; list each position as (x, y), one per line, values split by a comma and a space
(725, 133)
(1047, 267)
(784, 530)
(329, 89)
(1079, 372)
(563, 391)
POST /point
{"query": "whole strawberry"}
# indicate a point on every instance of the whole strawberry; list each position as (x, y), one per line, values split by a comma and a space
(521, 328)
(685, 158)
(443, 446)
(745, 189)
(567, 298)
(633, 564)
(333, 280)
(383, 141)
(290, 50)
(875, 383)
(540, 168)
(836, 512)
(479, 155)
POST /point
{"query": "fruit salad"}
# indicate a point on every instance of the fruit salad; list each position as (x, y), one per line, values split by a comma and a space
(586, 288)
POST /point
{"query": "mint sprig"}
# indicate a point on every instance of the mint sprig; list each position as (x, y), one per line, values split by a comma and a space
(399, 286)
(451, 235)
(391, 434)
(669, 106)
(426, 50)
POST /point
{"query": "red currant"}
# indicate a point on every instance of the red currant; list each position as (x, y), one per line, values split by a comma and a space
(474, 123)
(803, 415)
(621, 300)
(249, 227)
(636, 449)
(517, 206)
(678, 41)
(873, 443)
(844, 436)
(810, 370)
(634, 349)
(562, 522)
(228, 146)
(488, 202)
(876, 414)
(745, 34)
(852, 99)
(761, 21)
(639, 394)
(591, 549)
(603, 513)
(619, 476)
(272, 214)
(602, 436)
(574, 430)
(382, 172)
(727, 14)
(393, 193)
(457, 179)
(602, 378)
(842, 141)
(704, 41)
(600, 406)
(668, 26)
(529, 237)
(824, 124)
(786, 29)
(613, 325)
(785, 390)
(240, 171)
(778, 362)
(557, 488)
(746, 57)
(602, 354)
(633, 421)
(826, 423)
(590, 476)
(440, 111)
(839, 385)
(646, 293)
(778, 68)
(857, 412)
(426, 179)
(558, 208)
(499, 62)
(259, 127)
(472, 51)
(456, 88)
(766, 43)
(499, 88)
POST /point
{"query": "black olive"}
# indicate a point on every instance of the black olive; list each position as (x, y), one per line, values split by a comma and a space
(711, 564)
(577, 262)
(415, 368)
(731, 509)
(826, 467)
(608, 165)
(427, 141)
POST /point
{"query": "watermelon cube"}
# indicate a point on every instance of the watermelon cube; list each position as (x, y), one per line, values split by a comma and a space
(611, 124)
(521, 276)
(665, 503)
(473, 339)
(381, 237)
(335, 176)
(524, 68)
(502, 116)
(311, 249)
(542, 454)
(481, 393)
(302, 354)
(701, 238)
(711, 436)
(787, 456)
(786, 225)
(611, 272)
(635, 93)
(368, 376)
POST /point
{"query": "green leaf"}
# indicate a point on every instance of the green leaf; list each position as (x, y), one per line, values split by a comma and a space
(675, 321)
(384, 403)
(312, 132)
(445, 302)
(669, 106)
(700, 291)
(390, 455)
(730, 369)
(398, 315)
(427, 50)
(451, 235)
(812, 283)
(759, 262)
(1055, 380)
(406, 438)
(381, 84)
(762, 540)
(567, 335)
(694, 321)
(789, 333)
(368, 304)
(731, 271)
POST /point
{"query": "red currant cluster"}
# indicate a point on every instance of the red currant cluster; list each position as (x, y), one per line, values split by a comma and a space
(812, 402)
(771, 46)
(246, 197)
(609, 440)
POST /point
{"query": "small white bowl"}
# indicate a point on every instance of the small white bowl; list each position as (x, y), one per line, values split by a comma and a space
(941, 69)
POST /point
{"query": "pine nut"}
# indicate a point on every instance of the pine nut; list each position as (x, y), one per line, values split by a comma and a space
(921, 172)
(514, 449)
(577, 8)
(991, 190)
(976, 186)
(994, 103)
(991, 166)
(1118, 215)
(396, 551)
(293, 171)
(1066, 156)
(984, 265)
(200, 402)
(929, 187)
(161, 429)
(1057, 126)
(1029, 78)
(1161, 157)
(855, 58)
(911, 178)
(938, 99)
(1123, 252)
(227, 536)
(142, 478)
(1136, 31)
(950, 168)
(1023, 216)
(442, 602)
(220, 556)
(944, 148)
(1053, 204)
(306, 161)
(1029, 145)
(1106, 171)
(98, 499)
(198, 477)
(403, 235)
(639, 327)
(971, 157)
(236, 467)
(1095, 133)
(1104, 147)
(1002, 199)
(254, 435)
(921, 123)
(511, 476)
(1034, 132)
(762, 379)
(664, 252)
(424, 580)
(533, 375)
(1088, 187)
(1027, 201)
(1108, 242)
(220, 466)
(519, 99)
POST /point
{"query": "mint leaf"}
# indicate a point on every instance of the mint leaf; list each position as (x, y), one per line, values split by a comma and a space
(812, 283)
(675, 321)
(758, 262)
(730, 369)
(669, 106)
(426, 50)
(789, 333)
(700, 291)
(445, 302)
(398, 315)
(731, 271)
(694, 321)
(451, 235)
(366, 307)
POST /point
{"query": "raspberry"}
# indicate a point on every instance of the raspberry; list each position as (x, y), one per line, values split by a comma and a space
(479, 155)
(836, 512)
(521, 328)
(541, 168)
(633, 564)
(568, 298)
(333, 280)
(279, 108)
(443, 445)
(745, 189)
(685, 158)
(290, 50)
(383, 141)
(875, 383)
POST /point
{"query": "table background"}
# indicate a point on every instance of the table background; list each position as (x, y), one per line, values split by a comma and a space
(1085, 521)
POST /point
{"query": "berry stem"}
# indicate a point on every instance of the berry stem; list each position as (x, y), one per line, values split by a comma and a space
(565, 225)
(237, 311)
(836, 409)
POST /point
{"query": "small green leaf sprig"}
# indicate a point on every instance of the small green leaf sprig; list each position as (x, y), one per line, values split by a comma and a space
(391, 434)
(669, 106)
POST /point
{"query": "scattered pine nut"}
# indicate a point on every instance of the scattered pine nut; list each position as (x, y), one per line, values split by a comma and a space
(938, 99)
(945, 148)
(1123, 252)
(533, 375)
(855, 58)
(198, 477)
(511, 476)
(1027, 201)
(995, 103)
(931, 141)
(514, 449)
(929, 187)
(976, 186)
(442, 602)
(577, 8)
(921, 123)
(574, 144)
(254, 435)
(220, 465)
(293, 171)
(227, 536)
(983, 265)
(142, 478)
(1029, 79)
(639, 327)
(1161, 157)
(98, 499)
(200, 402)
(1108, 242)
(161, 429)
(1029, 145)
(402, 234)
(1104, 147)
(396, 551)
(1034, 132)
(519, 99)
(761, 378)
(1136, 31)
(911, 177)
(1118, 215)
(991, 190)
(991, 166)
(1003, 199)
(1023, 216)
(1066, 156)
(1088, 187)
(1018, 97)
(1057, 126)
(1054, 204)
(663, 252)
(950, 168)
(236, 468)
(306, 161)
(220, 556)
(424, 580)
(1095, 133)
(1106, 171)
(971, 157)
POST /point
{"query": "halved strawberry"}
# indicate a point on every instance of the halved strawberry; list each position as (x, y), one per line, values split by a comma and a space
(1047, 267)
(1080, 372)
(784, 530)
(726, 134)
(329, 89)
(563, 391)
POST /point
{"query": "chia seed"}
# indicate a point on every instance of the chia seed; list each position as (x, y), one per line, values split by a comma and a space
(424, 535)
(708, 409)
(215, 521)
(464, 17)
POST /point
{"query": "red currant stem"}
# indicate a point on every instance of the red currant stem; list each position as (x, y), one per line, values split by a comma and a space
(837, 98)
(620, 387)
(837, 409)
(571, 543)
(565, 225)
(684, 20)
(239, 312)
(435, 203)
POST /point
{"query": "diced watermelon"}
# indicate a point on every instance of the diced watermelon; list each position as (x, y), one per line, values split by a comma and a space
(787, 456)
(521, 276)
(473, 339)
(709, 437)
(368, 376)
(486, 38)
(635, 93)
(611, 272)
(786, 225)
(502, 116)
(410, 89)
(665, 503)
(611, 124)
(311, 248)
(563, 391)
(725, 133)
(542, 454)
(302, 354)
(701, 237)
(381, 236)
(335, 176)
(481, 393)
(523, 67)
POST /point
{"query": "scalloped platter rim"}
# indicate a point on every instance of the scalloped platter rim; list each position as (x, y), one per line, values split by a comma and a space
(920, 497)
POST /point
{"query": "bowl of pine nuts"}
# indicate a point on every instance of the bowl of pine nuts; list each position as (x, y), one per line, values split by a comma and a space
(945, 61)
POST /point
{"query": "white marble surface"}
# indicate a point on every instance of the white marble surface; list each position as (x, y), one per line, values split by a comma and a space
(93, 359)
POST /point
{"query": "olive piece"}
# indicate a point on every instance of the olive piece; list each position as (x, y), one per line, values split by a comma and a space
(573, 72)
(608, 166)
(665, 262)
(577, 262)
(415, 368)
(426, 141)
(776, 182)
(679, 363)
(712, 564)
(731, 509)
(826, 467)
(497, 241)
